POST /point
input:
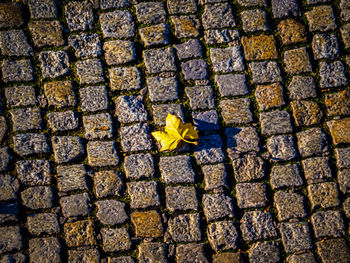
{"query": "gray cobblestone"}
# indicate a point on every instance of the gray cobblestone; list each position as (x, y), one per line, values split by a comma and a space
(117, 24)
(264, 72)
(26, 119)
(37, 197)
(334, 250)
(108, 183)
(45, 223)
(251, 195)
(191, 252)
(218, 16)
(181, 198)
(161, 111)
(54, 63)
(102, 153)
(285, 176)
(267, 251)
(75, 205)
(152, 252)
(136, 137)
(143, 194)
(231, 84)
(316, 169)
(111, 212)
(79, 15)
(85, 45)
(275, 122)
(185, 228)
(90, 71)
(98, 126)
(296, 236)
(34, 172)
(176, 169)
(189, 49)
(42, 9)
(115, 239)
(150, 12)
(8, 212)
(302, 87)
(222, 235)
(20, 96)
(159, 60)
(217, 206)
(45, 249)
(63, 121)
(281, 147)
(289, 205)
(17, 70)
(226, 59)
(328, 224)
(9, 187)
(130, 109)
(257, 225)
(94, 98)
(14, 43)
(220, 36)
(209, 149)
(30, 143)
(71, 178)
(67, 148)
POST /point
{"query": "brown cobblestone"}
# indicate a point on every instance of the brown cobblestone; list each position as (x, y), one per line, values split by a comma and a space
(259, 47)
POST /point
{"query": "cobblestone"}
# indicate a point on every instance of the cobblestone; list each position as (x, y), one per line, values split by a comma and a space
(143, 194)
(54, 63)
(185, 228)
(71, 178)
(44, 223)
(67, 148)
(85, 83)
(108, 183)
(222, 235)
(90, 71)
(186, 26)
(149, 252)
(289, 205)
(20, 96)
(115, 239)
(75, 205)
(37, 197)
(111, 212)
(42, 249)
(33, 172)
(181, 198)
(117, 24)
(257, 225)
(46, 33)
(218, 15)
(102, 153)
(14, 43)
(328, 224)
(85, 45)
(147, 224)
(17, 70)
(334, 250)
(217, 206)
(63, 121)
(302, 87)
(264, 252)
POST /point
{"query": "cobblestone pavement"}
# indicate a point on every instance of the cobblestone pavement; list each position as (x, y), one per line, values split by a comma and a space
(84, 83)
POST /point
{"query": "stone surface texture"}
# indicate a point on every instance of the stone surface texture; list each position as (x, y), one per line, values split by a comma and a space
(85, 83)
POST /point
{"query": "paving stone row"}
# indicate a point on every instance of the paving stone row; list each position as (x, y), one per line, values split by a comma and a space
(86, 82)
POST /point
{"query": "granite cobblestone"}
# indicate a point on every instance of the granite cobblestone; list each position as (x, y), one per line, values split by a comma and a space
(84, 83)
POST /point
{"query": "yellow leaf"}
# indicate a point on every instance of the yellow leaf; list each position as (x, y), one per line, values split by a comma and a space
(175, 132)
